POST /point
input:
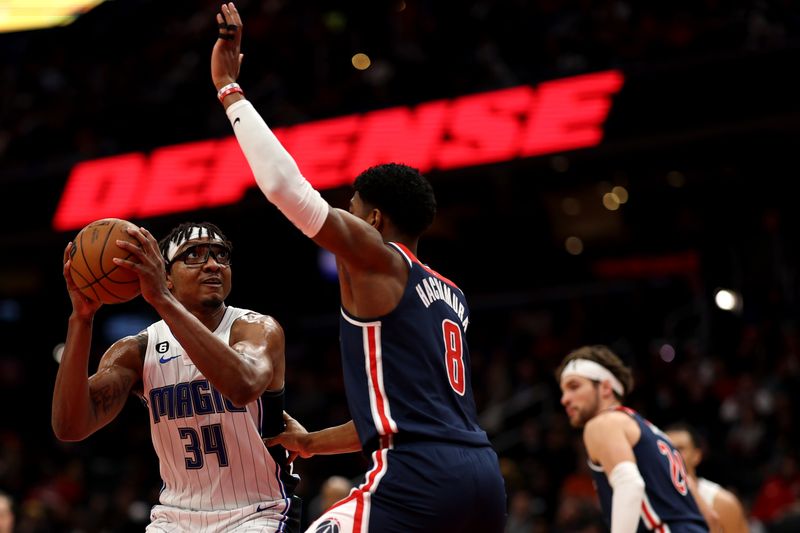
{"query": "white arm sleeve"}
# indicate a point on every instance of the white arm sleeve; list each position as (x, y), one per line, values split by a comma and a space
(275, 170)
(626, 503)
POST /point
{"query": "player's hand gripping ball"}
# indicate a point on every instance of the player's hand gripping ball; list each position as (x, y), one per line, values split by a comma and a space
(93, 269)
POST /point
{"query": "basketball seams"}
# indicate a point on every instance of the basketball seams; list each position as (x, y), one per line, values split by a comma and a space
(103, 253)
(101, 286)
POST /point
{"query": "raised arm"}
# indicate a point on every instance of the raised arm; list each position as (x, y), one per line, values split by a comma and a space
(83, 404)
(351, 239)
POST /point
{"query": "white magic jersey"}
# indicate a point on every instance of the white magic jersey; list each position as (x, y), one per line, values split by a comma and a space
(210, 452)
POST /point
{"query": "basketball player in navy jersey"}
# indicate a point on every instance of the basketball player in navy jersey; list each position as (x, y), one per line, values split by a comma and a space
(211, 376)
(402, 329)
(639, 476)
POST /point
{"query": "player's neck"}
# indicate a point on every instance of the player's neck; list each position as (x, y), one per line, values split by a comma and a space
(611, 406)
(210, 317)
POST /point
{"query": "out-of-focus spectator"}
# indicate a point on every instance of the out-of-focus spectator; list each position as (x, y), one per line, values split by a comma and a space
(778, 498)
(333, 489)
(6, 513)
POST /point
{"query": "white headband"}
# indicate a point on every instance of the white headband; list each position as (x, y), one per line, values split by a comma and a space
(196, 233)
(594, 371)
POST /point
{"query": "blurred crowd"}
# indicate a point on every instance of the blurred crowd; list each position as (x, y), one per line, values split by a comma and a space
(744, 404)
(108, 83)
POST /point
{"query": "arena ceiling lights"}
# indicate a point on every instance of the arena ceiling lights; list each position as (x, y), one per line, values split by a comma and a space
(20, 15)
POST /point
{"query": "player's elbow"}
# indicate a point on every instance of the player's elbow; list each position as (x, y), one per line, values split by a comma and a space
(241, 398)
(67, 432)
(249, 390)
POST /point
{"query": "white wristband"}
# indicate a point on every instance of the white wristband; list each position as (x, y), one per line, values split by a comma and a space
(275, 170)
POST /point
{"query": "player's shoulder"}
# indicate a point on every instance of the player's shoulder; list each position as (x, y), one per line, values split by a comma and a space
(128, 351)
(136, 342)
(611, 417)
(606, 422)
(726, 499)
(255, 319)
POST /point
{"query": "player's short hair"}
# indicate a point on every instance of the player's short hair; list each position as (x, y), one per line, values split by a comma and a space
(402, 193)
(602, 355)
(183, 232)
(694, 435)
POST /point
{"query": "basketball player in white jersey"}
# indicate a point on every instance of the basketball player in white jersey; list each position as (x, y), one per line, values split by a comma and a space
(211, 376)
(729, 510)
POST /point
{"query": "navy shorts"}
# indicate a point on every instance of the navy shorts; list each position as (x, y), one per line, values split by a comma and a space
(423, 487)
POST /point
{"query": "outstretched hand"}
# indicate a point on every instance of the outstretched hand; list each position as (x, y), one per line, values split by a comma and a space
(294, 438)
(226, 58)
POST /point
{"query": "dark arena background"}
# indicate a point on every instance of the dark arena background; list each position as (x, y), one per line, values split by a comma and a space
(618, 172)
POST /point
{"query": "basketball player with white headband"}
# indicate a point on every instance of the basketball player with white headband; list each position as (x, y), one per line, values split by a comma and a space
(211, 377)
(639, 476)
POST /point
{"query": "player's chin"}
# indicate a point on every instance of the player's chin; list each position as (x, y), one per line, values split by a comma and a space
(576, 420)
(212, 301)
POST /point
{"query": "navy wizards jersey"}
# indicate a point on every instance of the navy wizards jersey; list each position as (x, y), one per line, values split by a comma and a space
(667, 506)
(407, 374)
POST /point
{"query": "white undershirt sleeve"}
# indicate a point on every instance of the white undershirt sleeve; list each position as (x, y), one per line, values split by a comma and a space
(275, 171)
(626, 503)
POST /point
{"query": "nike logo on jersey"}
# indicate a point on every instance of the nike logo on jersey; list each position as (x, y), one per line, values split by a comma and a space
(262, 507)
(163, 359)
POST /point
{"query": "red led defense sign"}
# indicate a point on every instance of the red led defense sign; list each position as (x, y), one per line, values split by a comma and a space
(483, 128)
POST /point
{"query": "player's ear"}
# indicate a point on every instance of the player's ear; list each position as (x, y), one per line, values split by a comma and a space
(375, 219)
(607, 389)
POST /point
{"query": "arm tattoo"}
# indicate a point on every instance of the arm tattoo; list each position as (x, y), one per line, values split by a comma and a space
(105, 398)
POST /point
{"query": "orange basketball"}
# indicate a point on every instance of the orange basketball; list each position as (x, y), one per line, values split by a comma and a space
(93, 268)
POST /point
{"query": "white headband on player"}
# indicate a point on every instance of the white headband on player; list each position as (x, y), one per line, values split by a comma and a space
(196, 233)
(594, 371)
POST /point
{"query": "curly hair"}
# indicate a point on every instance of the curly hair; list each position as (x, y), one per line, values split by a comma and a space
(400, 191)
(604, 356)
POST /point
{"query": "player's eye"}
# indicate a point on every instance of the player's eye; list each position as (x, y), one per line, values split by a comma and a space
(194, 252)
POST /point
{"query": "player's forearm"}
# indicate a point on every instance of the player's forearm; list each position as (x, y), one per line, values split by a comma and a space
(275, 171)
(334, 440)
(239, 377)
(626, 502)
(72, 412)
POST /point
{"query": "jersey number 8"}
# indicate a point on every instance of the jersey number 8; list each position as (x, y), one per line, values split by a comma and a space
(454, 356)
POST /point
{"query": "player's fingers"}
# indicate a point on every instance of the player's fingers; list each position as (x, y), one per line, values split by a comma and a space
(272, 441)
(227, 13)
(67, 250)
(129, 247)
(235, 17)
(151, 243)
(124, 263)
